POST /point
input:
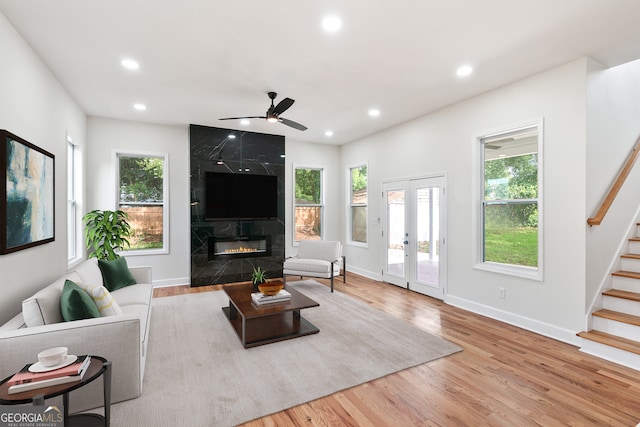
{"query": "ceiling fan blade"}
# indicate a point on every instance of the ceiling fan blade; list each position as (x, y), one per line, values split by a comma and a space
(248, 117)
(291, 123)
(283, 106)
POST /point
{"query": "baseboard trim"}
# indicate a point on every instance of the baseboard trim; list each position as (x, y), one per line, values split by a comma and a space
(529, 324)
(365, 273)
(172, 282)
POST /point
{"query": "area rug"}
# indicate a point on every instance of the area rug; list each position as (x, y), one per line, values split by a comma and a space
(198, 373)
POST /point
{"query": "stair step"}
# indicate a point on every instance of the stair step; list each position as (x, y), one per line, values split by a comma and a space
(612, 340)
(629, 274)
(634, 239)
(632, 256)
(617, 316)
(617, 293)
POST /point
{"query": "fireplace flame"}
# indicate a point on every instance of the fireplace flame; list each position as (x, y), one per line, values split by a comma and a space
(240, 250)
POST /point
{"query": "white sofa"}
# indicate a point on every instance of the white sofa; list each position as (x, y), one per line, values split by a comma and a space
(121, 338)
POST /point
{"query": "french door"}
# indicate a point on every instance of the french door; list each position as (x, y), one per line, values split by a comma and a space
(414, 233)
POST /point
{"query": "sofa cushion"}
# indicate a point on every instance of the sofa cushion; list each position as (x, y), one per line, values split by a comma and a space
(76, 304)
(141, 293)
(89, 272)
(116, 274)
(43, 308)
(103, 299)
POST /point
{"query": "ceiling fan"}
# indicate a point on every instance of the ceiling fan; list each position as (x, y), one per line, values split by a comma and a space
(273, 113)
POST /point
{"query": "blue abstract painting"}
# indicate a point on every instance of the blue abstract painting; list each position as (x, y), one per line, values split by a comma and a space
(29, 202)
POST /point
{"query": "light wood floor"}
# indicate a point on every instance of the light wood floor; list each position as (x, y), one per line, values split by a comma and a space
(505, 376)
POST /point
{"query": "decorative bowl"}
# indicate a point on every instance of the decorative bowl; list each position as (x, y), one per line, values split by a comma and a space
(52, 356)
(270, 289)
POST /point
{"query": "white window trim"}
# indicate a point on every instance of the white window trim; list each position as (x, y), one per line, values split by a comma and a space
(165, 189)
(76, 201)
(323, 209)
(349, 225)
(532, 273)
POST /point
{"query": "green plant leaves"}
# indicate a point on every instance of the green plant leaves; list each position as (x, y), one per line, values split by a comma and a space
(105, 233)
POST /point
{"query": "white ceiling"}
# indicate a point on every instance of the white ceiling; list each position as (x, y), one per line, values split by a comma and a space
(201, 60)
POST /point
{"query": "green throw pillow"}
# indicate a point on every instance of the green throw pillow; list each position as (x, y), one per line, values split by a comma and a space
(116, 274)
(76, 304)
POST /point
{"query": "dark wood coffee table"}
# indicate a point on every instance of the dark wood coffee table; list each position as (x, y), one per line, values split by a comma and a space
(258, 325)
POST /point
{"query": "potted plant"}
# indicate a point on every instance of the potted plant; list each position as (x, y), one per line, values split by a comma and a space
(258, 277)
(105, 233)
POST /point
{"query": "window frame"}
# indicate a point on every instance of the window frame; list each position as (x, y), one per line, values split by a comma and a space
(165, 203)
(75, 236)
(351, 205)
(322, 204)
(533, 273)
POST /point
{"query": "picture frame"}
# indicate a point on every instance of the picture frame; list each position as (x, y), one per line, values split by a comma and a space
(27, 194)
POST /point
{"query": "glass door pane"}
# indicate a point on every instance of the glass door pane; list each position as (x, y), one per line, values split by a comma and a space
(395, 233)
(428, 234)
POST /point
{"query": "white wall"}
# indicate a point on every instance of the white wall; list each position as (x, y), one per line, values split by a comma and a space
(304, 154)
(104, 137)
(444, 142)
(613, 127)
(37, 108)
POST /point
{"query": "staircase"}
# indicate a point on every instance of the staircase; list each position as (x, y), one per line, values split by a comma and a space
(616, 326)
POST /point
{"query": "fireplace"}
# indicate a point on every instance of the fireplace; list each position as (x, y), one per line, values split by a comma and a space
(239, 247)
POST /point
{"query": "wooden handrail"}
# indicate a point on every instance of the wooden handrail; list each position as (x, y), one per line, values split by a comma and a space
(615, 188)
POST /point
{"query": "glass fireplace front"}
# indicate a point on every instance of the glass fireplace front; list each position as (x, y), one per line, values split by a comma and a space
(239, 247)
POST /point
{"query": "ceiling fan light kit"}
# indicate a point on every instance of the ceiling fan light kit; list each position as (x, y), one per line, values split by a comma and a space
(273, 113)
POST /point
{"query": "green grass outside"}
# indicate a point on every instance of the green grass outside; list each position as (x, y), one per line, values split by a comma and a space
(518, 246)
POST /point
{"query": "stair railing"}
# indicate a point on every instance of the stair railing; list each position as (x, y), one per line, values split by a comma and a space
(615, 188)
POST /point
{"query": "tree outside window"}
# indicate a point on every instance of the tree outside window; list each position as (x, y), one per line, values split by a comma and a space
(142, 197)
(308, 204)
(510, 201)
(359, 203)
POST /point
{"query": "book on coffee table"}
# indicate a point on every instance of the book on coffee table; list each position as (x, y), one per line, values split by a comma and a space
(260, 299)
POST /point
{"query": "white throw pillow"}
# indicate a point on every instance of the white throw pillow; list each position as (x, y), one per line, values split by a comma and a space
(103, 299)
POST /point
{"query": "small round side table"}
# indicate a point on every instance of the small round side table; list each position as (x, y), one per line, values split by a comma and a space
(99, 366)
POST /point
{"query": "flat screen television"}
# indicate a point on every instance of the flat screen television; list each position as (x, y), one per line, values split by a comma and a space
(230, 196)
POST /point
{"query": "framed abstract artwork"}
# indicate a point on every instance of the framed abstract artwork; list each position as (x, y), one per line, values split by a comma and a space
(27, 202)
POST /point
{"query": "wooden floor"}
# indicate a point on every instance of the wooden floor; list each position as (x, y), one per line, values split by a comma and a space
(505, 376)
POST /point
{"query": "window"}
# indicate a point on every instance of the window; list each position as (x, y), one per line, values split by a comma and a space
(510, 202)
(143, 195)
(74, 234)
(308, 204)
(358, 203)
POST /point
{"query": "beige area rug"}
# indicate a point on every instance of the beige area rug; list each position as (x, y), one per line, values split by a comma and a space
(198, 373)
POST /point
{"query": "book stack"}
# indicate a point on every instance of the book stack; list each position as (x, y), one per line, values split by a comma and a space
(26, 379)
(259, 298)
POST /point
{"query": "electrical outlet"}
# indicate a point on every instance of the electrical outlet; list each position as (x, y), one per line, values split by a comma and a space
(502, 293)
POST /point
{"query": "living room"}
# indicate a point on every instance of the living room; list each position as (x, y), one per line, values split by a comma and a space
(589, 114)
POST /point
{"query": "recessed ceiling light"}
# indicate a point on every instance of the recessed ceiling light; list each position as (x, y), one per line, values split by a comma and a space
(130, 64)
(464, 71)
(140, 107)
(331, 24)
(374, 112)
(244, 122)
(328, 133)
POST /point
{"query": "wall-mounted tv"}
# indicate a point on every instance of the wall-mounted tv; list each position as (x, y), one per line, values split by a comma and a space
(231, 196)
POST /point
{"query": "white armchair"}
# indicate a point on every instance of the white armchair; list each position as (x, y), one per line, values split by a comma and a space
(316, 258)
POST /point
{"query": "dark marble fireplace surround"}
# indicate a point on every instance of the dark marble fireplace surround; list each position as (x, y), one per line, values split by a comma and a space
(227, 251)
